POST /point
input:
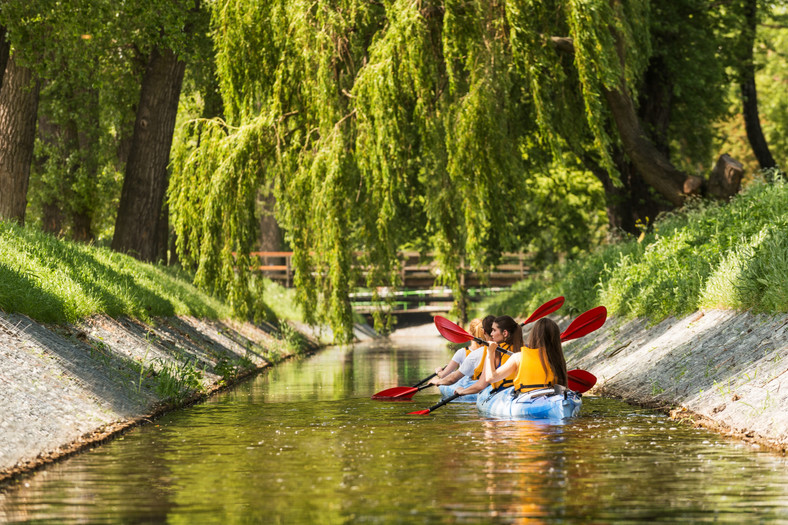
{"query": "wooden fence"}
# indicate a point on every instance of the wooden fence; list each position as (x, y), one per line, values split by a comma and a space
(415, 271)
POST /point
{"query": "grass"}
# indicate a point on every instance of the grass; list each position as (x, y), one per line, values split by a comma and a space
(707, 255)
(55, 281)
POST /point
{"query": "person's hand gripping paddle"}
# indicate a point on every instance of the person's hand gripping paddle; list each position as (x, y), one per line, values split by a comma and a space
(579, 380)
(407, 392)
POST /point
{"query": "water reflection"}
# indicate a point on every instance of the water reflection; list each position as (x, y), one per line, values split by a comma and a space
(303, 443)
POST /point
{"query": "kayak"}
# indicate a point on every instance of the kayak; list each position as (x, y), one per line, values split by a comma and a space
(536, 404)
(448, 390)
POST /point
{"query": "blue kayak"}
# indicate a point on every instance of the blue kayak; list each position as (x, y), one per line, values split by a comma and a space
(448, 390)
(537, 404)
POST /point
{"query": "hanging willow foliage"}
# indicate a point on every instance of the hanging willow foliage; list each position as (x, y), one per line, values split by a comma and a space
(379, 125)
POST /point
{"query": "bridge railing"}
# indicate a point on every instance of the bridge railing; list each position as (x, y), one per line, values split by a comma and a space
(415, 271)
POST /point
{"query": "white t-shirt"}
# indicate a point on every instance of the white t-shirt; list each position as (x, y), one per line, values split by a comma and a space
(459, 356)
(472, 361)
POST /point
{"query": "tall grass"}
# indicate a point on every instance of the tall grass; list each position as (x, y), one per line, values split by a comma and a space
(53, 280)
(707, 255)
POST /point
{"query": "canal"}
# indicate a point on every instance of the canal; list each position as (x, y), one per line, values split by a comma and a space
(304, 443)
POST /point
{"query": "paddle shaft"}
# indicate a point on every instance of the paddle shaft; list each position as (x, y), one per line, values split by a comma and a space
(424, 380)
(447, 400)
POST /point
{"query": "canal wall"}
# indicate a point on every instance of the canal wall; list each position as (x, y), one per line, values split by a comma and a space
(64, 388)
(719, 369)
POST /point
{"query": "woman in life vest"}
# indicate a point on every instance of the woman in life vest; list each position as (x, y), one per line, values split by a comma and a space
(508, 335)
(540, 364)
(474, 328)
(470, 361)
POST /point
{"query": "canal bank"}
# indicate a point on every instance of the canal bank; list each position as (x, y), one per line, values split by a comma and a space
(64, 388)
(720, 369)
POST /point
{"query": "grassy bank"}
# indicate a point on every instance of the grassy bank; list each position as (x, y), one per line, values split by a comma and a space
(707, 255)
(53, 280)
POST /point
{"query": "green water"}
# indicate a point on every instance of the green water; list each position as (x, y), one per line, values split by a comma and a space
(303, 443)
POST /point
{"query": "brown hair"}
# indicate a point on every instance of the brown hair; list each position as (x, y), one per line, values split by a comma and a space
(546, 336)
(515, 339)
(487, 323)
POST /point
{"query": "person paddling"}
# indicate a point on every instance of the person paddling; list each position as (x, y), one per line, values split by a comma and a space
(508, 334)
(540, 364)
(474, 327)
(470, 363)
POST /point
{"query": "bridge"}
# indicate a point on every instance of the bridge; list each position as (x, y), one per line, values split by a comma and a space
(418, 292)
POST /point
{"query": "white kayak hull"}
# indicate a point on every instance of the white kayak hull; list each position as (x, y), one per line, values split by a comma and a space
(537, 404)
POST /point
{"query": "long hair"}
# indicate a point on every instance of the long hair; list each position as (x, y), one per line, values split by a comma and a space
(546, 336)
(515, 339)
(487, 323)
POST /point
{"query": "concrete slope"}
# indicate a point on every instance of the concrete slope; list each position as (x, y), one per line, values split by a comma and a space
(721, 369)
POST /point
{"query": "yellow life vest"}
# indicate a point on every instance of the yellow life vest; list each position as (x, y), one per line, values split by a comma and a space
(503, 383)
(468, 351)
(534, 371)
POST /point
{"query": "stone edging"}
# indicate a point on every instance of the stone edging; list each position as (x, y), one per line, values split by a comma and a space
(67, 388)
(719, 369)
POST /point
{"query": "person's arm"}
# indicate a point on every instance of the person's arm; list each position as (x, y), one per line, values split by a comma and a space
(448, 369)
(447, 380)
(492, 374)
(475, 388)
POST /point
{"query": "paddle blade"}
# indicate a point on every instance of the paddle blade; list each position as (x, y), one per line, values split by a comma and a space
(398, 392)
(546, 309)
(421, 412)
(451, 331)
(581, 380)
(585, 323)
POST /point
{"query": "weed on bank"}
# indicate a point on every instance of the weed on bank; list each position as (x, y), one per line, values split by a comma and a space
(707, 255)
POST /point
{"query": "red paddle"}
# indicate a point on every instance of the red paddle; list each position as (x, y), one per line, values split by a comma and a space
(579, 380)
(585, 323)
(402, 392)
(458, 335)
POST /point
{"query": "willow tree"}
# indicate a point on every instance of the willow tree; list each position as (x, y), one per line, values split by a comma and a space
(640, 84)
(379, 125)
(422, 123)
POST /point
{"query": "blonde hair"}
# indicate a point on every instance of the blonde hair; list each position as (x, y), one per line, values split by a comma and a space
(476, 330)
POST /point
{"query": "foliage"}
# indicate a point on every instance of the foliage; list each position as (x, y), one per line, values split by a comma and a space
(52, 280)
(379, 126)
(709, 255)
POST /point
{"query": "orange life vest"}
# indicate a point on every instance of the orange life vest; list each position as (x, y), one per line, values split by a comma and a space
(503, 383)
(534, 371)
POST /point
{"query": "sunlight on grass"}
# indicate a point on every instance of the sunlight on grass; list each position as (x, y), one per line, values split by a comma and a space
(707, 255)
(53, 280)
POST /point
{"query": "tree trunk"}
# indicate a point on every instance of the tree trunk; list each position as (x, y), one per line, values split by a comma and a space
(87, 142)
(270, 233)
(749, 92)
(51, 201)
(18, 116)
(5, 49)
(655, 168)
(652, 164)
(631, 203)
(145, 182)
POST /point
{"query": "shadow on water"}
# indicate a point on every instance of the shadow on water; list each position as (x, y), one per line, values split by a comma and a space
(304, 443)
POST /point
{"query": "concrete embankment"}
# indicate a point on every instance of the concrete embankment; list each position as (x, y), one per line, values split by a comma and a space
(66, 388)
(723, 370)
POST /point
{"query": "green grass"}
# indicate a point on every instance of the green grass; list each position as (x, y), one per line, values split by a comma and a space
(707, 255)
(53, 280)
